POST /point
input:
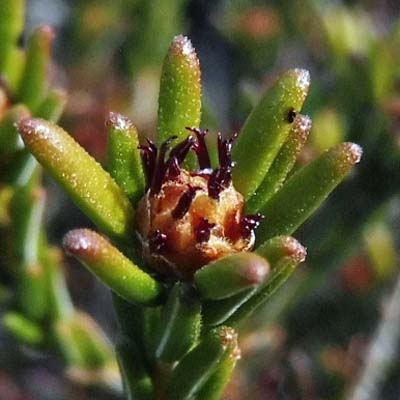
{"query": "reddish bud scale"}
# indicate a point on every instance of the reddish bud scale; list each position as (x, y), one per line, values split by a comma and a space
(188, 219)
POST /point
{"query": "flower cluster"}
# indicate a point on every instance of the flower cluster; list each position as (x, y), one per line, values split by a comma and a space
(187, 219)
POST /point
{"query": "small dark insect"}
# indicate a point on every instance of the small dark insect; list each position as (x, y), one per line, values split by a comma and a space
(291, 115)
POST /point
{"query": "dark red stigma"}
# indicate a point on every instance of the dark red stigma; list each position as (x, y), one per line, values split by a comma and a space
(149, 158)
(158, 168)
(184, 203)
(221, 177)
(201, 148)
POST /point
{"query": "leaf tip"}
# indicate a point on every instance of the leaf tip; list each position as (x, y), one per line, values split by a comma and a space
(294, 249)
(303, 78)
(182, 47)
(27, 127)
(81, 242)
(228, 336)
(118, 121)
(302, 126)
(48, 32)
(353, 152)
(257, 269)
(348, 155)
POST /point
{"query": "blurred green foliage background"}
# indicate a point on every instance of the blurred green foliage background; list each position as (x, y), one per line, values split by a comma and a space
(312, 341)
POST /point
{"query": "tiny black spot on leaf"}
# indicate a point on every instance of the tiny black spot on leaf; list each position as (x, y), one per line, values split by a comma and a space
(291, 115)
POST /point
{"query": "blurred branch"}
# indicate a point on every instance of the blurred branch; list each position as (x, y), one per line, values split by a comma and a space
(382, 353)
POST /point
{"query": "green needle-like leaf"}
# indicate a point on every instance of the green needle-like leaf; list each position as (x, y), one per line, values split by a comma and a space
(92, 188)
(180, 325)
(23, 169)
(23, 328)
(124, 161)
(282, 165)
(67, 343)
(53, 105)
(132, 324)
(27, 215)
(179, 103)
(6, 197)
(216, 384)
(131, 320)
(216, 312)
(33, 84)
(9, 136)
(12, 17)
(230, 275)
(151, 324)
(274, 250)
(199, 364)
(60, 303)
(137, 384)
(267, 128)
(32, 291)
(14, 68)
(277, 248)
(280, 274)
(303, 193)
(94, 347)
(111, 266)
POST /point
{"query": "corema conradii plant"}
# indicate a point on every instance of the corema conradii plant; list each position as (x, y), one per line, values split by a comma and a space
(198, 231)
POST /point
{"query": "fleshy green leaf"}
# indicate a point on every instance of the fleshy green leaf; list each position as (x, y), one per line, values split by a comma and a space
(32, 291)
(124, 159)
(280, 273)
(67, 343)
(216, 312)
(132, 324)
(179, 103)
(33, 83)
(199, 364)
(137, 384)
(14, 67)
(60, 303)
(304, 192)
(277, 248)
(53, 105)
(23, 169)
(282, 165)
(9, 136)
(94, 347)
(180, 325)
(230, 275)
(151, 324)
(267, 128)
(27, 213)
(274, 250)
(92, 188)
(6, 196)
(111, 266)
(12, 17)
(216, 384)
(23, 328)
